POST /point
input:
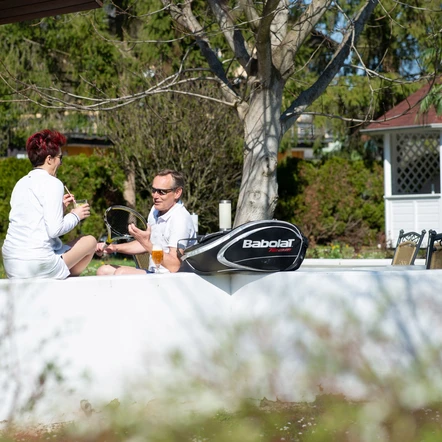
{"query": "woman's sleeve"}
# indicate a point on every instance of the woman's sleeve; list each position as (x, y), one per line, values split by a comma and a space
(57, 224)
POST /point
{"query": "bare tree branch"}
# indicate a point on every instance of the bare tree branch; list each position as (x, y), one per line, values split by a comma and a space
(184, 16)
(263, 42)
(285, 54)
(252, 16)
(232, 35)
(53, 97)
(343, 51)
(280, 24)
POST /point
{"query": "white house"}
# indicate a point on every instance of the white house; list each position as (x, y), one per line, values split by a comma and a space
(412, 157)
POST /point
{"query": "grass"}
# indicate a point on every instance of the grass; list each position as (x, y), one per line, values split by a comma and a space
(337, 250)
(91, 269)
(344, 251)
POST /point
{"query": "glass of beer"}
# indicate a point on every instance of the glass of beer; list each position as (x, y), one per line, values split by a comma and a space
(157, 256)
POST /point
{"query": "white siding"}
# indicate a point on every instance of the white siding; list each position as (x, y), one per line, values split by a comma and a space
(412, 214)
(412, 191)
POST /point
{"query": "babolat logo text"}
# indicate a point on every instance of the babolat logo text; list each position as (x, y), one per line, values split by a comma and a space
(263, 244)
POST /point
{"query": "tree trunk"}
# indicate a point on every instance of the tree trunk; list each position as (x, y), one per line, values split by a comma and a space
(129, 189)
(262, 133)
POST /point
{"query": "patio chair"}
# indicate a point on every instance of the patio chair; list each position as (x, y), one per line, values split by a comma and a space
(142, 260)
(434, 251)
(407, 248)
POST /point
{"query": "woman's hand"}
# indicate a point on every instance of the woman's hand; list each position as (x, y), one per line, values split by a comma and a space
(82, 211)
(68, 198)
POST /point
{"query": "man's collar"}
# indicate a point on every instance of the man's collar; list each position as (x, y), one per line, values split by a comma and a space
(166, 216)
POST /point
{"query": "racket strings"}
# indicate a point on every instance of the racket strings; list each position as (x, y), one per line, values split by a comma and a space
(118, 220)
(134, 219)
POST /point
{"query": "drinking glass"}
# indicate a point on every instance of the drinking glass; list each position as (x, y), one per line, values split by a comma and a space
(157, 256)
(79, 203)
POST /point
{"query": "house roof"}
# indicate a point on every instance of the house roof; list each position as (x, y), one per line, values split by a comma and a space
(406, 114)
(12, 11)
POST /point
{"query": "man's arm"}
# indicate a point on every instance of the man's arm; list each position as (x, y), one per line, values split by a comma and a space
(170, 260)
(128, 248)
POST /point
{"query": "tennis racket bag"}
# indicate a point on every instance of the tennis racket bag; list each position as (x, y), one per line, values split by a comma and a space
(257, 246)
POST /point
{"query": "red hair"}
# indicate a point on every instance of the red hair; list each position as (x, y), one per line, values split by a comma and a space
(44, 143)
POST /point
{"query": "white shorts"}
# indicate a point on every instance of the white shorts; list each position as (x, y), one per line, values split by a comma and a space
(53, 267)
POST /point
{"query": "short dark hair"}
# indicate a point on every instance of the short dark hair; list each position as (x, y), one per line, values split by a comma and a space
(178, 177)
(44, 143)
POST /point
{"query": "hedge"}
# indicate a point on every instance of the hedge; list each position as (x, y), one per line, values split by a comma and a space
(335, 200)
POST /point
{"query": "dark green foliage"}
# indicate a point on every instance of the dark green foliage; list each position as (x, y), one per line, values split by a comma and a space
(434, 98)
(98, 179)
(338, 200)
(289, 186)
(349, 97)
(11, 170)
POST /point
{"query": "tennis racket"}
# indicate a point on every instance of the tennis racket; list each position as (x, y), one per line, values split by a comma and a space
(117, 219)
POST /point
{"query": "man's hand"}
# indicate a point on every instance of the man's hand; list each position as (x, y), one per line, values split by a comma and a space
(103, 248)
(142, 236)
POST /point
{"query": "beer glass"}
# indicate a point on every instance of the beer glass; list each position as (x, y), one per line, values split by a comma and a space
(157, 256)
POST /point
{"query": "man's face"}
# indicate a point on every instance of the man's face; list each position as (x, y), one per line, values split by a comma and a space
(163, 203)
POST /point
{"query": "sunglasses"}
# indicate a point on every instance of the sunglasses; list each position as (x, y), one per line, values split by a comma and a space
(161, 192)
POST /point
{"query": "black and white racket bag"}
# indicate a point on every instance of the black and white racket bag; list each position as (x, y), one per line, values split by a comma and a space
(257, 246)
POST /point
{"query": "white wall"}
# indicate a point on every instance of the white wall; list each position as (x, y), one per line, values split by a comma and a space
(412, 213)
(137, 338)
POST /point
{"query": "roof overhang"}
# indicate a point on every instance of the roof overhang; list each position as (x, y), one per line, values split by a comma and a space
(12, 11)
(80, 139)
(418, 127)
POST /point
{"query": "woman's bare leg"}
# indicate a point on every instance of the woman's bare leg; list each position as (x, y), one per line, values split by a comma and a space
(109, 269)
(80, 255)
(106, 269)
(126, 270)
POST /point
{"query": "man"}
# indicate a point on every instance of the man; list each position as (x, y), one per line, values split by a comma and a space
(168, 222)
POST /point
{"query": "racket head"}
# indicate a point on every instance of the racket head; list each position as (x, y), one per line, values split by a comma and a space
(117, 219)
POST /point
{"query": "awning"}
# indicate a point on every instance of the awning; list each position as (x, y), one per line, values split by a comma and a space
(12, 11)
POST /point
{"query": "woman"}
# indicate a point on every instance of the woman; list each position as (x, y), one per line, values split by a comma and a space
(32, 247)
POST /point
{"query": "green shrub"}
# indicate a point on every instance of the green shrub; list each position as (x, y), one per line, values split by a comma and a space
(336, 200)
(100, 180)
(11, 170)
